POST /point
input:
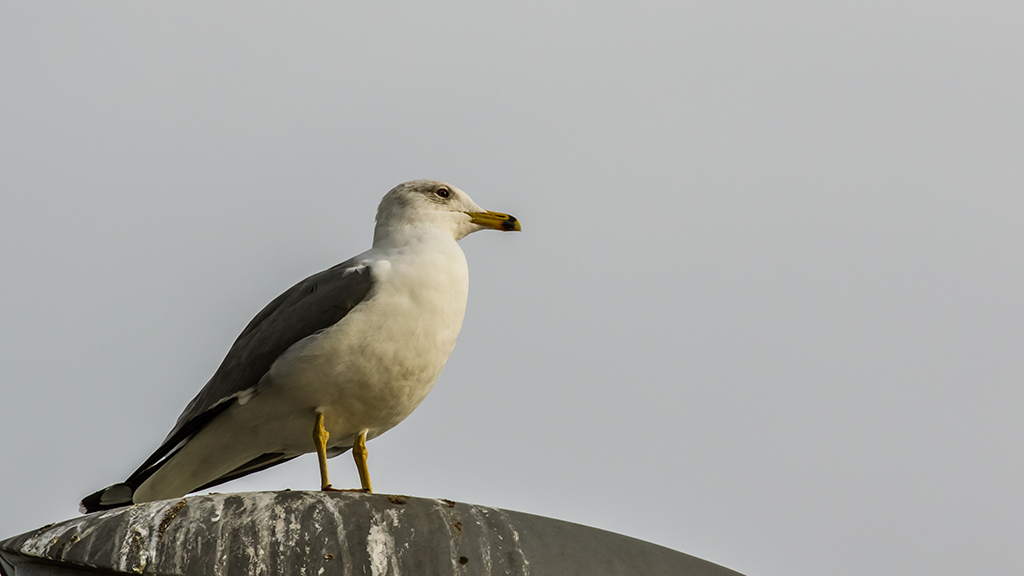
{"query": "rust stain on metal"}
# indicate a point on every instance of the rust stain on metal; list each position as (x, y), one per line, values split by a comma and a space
(458, 526)
(463, 560)
(397, 499)
(448, 502)
(328, 556)
(169, 517)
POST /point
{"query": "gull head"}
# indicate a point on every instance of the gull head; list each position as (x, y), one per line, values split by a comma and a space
(431, 207)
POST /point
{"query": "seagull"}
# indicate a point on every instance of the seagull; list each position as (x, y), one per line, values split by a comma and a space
(336, 360)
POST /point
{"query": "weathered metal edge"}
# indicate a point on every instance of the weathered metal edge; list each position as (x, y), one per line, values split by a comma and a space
(50, 543)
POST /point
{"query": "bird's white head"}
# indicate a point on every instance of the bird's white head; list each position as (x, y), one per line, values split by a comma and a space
(429, 207)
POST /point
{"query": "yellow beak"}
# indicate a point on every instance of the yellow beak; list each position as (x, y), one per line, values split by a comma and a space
(496, 220)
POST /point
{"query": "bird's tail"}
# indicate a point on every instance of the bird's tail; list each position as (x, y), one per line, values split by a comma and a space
(110, 497)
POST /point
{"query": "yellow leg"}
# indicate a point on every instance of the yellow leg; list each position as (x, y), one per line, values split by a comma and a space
(320, 437)
(359, 453)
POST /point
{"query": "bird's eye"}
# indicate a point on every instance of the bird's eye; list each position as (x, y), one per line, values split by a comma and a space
(443, 192)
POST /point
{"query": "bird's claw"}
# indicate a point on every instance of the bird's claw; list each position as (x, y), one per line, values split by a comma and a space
(330, 488)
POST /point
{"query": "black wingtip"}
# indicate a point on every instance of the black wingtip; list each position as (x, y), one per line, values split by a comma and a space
(109, 498)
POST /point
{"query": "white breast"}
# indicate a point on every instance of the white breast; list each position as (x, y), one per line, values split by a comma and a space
(374, 367)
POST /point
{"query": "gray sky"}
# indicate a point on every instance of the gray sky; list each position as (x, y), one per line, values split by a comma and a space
(766, 308)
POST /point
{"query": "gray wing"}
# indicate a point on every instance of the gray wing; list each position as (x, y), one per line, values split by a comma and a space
(314, 304)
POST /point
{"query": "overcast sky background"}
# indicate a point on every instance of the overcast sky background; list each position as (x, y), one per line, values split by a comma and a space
(766, 308)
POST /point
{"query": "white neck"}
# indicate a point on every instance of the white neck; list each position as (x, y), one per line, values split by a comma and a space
(396, 236)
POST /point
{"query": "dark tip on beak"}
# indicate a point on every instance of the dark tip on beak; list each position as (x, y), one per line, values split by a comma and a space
(495, 220)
